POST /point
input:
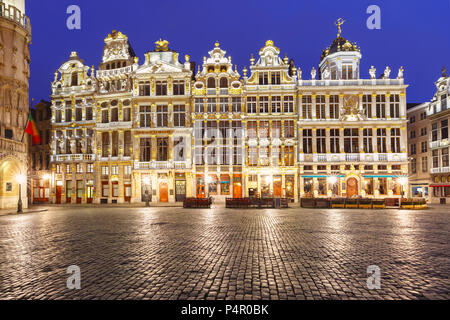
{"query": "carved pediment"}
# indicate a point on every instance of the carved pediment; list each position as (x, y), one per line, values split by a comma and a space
(159, 67)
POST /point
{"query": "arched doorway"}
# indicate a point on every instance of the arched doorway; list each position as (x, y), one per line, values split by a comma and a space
(10, 170)
(352, 187)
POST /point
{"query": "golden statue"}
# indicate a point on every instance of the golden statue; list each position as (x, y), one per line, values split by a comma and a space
(339, 23)
(162, 45)
(444, 72)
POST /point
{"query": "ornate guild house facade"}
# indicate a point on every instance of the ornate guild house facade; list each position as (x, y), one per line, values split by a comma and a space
(439, 117)
(163, 131)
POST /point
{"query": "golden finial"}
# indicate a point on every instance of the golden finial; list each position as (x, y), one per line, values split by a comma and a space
(198, 69)
(187, 58)
(235, 68)
(245, 71)
(269, 43)
(252, 60)
(162, 45)
(286, 59)
(217, 44)
(444, 72)
(136, 60)
(339, 23)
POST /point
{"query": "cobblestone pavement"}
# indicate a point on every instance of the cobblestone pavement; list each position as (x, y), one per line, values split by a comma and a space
(174, 253)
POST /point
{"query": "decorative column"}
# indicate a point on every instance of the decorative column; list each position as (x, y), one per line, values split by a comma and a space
(374, 107)
(327, 107)
(313, 107)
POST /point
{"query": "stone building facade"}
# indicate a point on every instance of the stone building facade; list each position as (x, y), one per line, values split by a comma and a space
(15, 37)
(40, 174)
(439, 117)
(163, 131)
(419, 152)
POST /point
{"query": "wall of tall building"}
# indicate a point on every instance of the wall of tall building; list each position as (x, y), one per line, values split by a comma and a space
(439, 117)
(163, 131)
(419, 130)
(15, 36)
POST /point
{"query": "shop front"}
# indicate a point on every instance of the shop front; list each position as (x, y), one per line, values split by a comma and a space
(180, 187)
(41, 190)
(441, 189)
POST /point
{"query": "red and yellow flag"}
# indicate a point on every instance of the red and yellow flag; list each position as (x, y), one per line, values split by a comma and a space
(32, 130)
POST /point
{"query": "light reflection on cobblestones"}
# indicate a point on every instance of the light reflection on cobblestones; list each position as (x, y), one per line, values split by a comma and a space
(171, 253)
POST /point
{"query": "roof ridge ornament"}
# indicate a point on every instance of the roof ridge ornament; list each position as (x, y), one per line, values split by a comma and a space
(339, 22)
(162, 45)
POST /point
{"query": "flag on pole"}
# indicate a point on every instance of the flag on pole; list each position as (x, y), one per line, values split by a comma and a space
(32, 130)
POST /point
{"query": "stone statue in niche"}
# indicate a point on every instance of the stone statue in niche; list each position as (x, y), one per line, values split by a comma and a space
(125, 84)
(269, 58)
(326, 74)
(26, 67)
(14, 58)
(2, 55)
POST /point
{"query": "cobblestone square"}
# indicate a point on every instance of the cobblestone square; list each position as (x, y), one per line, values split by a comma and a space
(174, 253)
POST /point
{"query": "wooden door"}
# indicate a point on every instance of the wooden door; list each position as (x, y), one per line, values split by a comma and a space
(200, 191)
(58, 194)
(180, 190)
(79, 192)
(277, 187)
(237, 190)
(163, 192)
(89, 194)
(352, 187)
(127, 190)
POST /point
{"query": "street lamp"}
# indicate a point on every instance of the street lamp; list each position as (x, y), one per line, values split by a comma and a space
(20, 178)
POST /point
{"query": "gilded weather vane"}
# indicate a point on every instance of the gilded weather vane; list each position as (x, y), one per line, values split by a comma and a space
(339, 23)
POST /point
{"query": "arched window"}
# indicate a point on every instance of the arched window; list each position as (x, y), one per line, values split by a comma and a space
(211, 83)
(74, 78)
(223, 82)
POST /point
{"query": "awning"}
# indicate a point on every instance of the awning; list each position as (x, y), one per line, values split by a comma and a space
(384, 176)
(439, 185)
(321, 176)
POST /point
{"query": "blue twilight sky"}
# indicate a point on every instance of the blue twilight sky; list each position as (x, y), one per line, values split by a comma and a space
(414, 34)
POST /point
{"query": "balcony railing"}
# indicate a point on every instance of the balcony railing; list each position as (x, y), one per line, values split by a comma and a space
(352, 158)
(440, 170)
(72, 157)
(162, 165)
(115, 72)
(12, 145)
(439, 144)
(354, 82)
(15, 15)
(342, 157)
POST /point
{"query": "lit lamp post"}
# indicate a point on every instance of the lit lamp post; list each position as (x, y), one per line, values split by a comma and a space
(332, 181)
(403, 181)
(20, 180)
